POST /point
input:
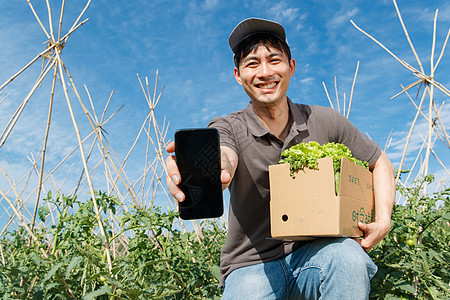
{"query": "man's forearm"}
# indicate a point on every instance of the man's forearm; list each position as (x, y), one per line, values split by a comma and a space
(384, 188)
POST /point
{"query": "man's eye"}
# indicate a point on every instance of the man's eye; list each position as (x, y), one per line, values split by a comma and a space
(252, 64)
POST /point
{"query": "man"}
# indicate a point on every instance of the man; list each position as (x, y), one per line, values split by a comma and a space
(254, 266)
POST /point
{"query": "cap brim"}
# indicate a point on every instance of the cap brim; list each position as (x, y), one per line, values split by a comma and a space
(252, 26)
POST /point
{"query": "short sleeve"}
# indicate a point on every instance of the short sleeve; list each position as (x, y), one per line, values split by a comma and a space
(227, 137)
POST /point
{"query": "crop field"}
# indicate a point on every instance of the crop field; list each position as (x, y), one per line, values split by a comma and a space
(116, 234)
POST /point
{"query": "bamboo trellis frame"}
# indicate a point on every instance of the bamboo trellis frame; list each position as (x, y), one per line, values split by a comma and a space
(430, 83)
(149, 184)
(141, 191)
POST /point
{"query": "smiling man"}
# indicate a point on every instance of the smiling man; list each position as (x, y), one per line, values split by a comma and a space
(254, 266)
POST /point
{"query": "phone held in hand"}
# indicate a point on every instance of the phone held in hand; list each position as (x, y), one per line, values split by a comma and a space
(197, 153)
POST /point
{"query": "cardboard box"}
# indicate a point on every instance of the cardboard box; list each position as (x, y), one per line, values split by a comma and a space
(307, 206)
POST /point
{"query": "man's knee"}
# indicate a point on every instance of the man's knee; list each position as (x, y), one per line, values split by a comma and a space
(344, 257)
(345, 268)
(260, 281)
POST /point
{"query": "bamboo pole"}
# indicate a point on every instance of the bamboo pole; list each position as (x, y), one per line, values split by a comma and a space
(50, 22)
(345, 104)
(328, 96)
(409, 137)
(44, 148)
(27, 66)
(88, 178)
(92, 106)
(106, 107)
(146, 95)
(146, 158)
(60, 20)
(39, 20)
(4, 98)
(381, 45)
(426, 145)
(75, 24)
(405, 89)
(442, 126)
(430, 133)
(433, 45)
(353, 87)
(80, 179)
(67, 35)
(337, 96)
(388, 142)
(416, 160)
(1, 255)
(442, 51)
(407, 37)
(430, 108)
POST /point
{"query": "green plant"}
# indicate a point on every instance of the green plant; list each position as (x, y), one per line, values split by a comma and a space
(305, 155)
(151, 259)
(414, 259)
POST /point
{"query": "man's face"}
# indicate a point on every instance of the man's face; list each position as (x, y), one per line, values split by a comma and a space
(265, 74)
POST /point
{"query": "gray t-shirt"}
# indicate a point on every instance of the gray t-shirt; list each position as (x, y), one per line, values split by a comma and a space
(249, 241)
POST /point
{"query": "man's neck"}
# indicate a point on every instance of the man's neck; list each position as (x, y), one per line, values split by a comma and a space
(274, 117)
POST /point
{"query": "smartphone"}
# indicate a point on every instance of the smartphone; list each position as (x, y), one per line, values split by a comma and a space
(197, 153)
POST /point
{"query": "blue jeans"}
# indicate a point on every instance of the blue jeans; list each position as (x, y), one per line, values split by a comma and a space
(326, 268)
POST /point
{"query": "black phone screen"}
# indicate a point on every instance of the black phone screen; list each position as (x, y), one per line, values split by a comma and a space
(197, 153)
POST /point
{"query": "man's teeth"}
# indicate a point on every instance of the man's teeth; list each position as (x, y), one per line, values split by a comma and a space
(268, 86)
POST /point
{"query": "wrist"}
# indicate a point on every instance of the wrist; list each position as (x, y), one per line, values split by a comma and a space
(385, 223)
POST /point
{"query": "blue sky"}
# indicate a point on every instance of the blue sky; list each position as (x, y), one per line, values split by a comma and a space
(187, 42)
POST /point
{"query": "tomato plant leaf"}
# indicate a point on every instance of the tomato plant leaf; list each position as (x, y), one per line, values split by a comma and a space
(73, 263)
(104, 290)
(52, 271)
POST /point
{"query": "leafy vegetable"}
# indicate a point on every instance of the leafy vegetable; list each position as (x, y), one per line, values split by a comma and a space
(306, 155)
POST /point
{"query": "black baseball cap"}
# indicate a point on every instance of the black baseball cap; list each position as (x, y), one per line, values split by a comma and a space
(252, 26)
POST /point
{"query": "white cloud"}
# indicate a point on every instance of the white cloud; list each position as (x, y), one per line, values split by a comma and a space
(301, 21)
(210, 4)
(282, 11)
(444, 13)
(307, 80)
(427, 12)
(342, 18)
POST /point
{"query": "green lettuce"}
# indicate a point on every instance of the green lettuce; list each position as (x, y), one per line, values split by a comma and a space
(305, 155)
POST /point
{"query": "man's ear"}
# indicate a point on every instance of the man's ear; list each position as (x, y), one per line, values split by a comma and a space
(292, 67)
(237, 75)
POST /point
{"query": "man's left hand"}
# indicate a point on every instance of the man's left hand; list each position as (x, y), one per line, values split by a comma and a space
(373, 234)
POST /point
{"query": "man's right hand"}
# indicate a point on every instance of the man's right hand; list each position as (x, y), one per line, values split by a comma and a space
(173, 178)
(229, 163)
